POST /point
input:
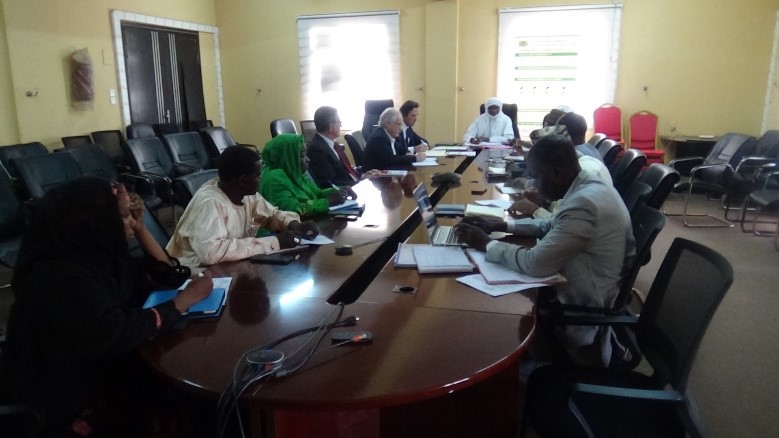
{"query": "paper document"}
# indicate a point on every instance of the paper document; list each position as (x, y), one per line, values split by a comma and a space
(437, 153)
(318, 240)
(477, 282)
(496, 170)
(451, 147)
(441, 259)
(501, 203)
(461, 154)
(494, 273)
(432, 161)
(481, 210)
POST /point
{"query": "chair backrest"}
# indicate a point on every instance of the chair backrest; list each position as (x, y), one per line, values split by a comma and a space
(308, 128)
(197, 125)
(217, 139)
(282, 126)
(76, 140)
(112, 142)
(768, 144)
(187, 148)
(139, 130)
(9, 153)
(627, 169)
(730, 149)
(184, 187)
(357, 135)
(509, 109)
(647, 224)
(607, 119)
(42, 172)
(635, 195)
(373, 109)
(686, 292)
(11, 209)
(596, 139)
(643, 130)
(93, 161)
(161, 129)
(149, 156)
(357, 151)
(661, 179)
(609, 150)
(155, 228)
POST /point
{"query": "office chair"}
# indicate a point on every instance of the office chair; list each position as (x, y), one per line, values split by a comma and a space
(607, 119)
(573, 402)
(282, 126)
(308, 128)
(12, 222)
(635, 195)
(627, 168)
(188, 151)
(140, 130)
(155, 229)
(151, 161)
(184, 187)
(40, 173)
(161, 129)
(609, 151)
(596, 139)
(357, 135)
(662, 179)
(75, 140)
(643, 135)
(357, 151)
(373, 109)
(712, 175)
(509, 109)
(9, 153)
(112, 142)
(762, 200)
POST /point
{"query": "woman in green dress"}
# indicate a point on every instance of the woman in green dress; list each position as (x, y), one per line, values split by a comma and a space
(286, 184)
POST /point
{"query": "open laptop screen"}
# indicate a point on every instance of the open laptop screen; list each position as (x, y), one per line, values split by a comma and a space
(425, 209)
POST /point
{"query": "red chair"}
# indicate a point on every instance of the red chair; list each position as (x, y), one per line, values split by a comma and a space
(607, 119)
(643, 136)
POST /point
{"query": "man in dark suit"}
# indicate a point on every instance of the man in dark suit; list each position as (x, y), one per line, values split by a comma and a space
(328, 164)
(410, 111)
(383, 150)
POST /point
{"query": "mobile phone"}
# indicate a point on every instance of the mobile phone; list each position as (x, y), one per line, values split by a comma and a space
(480, 191)
(273, 259)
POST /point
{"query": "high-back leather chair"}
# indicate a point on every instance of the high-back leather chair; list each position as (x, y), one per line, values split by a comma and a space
(187, 149)
(354, 147)
(112, 142)
(509, 109)
(184, 187)
(661, 178)
(140, 130)
(9, 153)
(11, 222)
(75, 140)
(607, 119)
(42, 172)
(161, 129)
(216, 139)
(308, 128)
(282, 126)
(373, 109)
(627, 169)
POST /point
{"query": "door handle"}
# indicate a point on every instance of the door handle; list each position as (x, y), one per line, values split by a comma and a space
(167, 116)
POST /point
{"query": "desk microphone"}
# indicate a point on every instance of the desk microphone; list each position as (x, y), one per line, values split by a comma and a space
(347, 250)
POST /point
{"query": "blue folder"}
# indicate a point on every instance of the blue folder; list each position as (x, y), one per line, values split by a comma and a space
(211, 306)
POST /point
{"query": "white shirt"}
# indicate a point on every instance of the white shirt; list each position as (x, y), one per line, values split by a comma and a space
(497, 128)
(330, 143)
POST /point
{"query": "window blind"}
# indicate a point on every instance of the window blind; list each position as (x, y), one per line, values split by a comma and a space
(555, 56)
(346, 59)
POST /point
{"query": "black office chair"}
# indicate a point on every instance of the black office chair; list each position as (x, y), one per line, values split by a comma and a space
(576, 402)
(609, 151)
(140, 130)
(12, 222)
(197, 125)
(373, 109)
(764, 200)
(161, 129)
(661, 179)
(357, 152)
(218, 139)
(308, 128)
(357, 135)
(282, 126)
(76, 140)
(9, 153)
(184, 187)
(188, 151)
(112, 142)
(40, 173)
(152, 161)
(712, 175)
(509, 109)
(636, 195)
(155, 228)
(627, 168)
(596, 139)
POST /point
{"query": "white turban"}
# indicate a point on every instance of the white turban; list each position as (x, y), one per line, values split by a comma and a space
(492, 101)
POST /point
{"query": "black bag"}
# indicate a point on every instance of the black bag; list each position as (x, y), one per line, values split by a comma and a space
(167, 275)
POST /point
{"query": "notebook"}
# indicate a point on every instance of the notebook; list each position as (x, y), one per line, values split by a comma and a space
(438, 234)
(209, 307)
(441, 259)
(484, 210)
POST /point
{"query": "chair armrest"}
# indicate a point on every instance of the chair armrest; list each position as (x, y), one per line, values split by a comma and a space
(595, 320)
(752, 163)
(616, 391)
(685, 165)
(702, 167)
(183, 169)
(140, 184)
(153, 176)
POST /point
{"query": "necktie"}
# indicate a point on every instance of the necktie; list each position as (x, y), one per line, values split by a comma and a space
(408, 137)
(339, 150)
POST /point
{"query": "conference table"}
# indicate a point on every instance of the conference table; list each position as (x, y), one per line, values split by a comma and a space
(443, 358)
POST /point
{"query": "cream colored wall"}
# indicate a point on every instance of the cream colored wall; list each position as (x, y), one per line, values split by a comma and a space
(42, 33)
(8, 127)
(208, 70)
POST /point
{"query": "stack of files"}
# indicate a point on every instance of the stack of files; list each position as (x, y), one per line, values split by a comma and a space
(451, 146)
(349, 207)
(430, 259)
(484, 210)
(450, 209)
(438, 153)
(209, 307)
(496, 171)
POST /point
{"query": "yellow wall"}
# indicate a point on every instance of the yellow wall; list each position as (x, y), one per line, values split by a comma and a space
(42, 33)
(8, 127)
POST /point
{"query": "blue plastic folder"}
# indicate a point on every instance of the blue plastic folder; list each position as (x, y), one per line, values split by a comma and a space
(209, 307)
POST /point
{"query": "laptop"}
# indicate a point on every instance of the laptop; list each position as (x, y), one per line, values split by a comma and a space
(438, 234)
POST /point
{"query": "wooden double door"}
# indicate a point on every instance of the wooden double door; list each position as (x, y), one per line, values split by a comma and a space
(164, 79)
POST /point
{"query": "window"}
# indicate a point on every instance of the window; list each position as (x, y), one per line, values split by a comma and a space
(557, 56)
(346, 59)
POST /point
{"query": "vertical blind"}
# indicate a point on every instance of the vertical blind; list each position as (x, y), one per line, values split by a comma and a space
(346, 59)
(555, 56)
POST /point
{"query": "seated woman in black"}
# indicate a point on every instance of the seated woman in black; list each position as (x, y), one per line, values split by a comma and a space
(77, 311)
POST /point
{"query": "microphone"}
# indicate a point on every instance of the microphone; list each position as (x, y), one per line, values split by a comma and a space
(347, 250)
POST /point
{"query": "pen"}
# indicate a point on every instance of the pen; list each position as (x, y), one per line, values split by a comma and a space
(286, 250)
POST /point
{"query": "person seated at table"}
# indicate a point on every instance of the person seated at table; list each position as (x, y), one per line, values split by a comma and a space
(225, 214)
(589, 241)
(493, 126)
(383, 150)
(577, 129)
(410, 111)
(286, 184)
(329, 163)
(77, 313)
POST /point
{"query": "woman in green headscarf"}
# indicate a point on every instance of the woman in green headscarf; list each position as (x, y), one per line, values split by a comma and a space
(285, 183)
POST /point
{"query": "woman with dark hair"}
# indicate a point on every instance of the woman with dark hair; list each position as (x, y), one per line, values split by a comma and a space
(77, 311)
